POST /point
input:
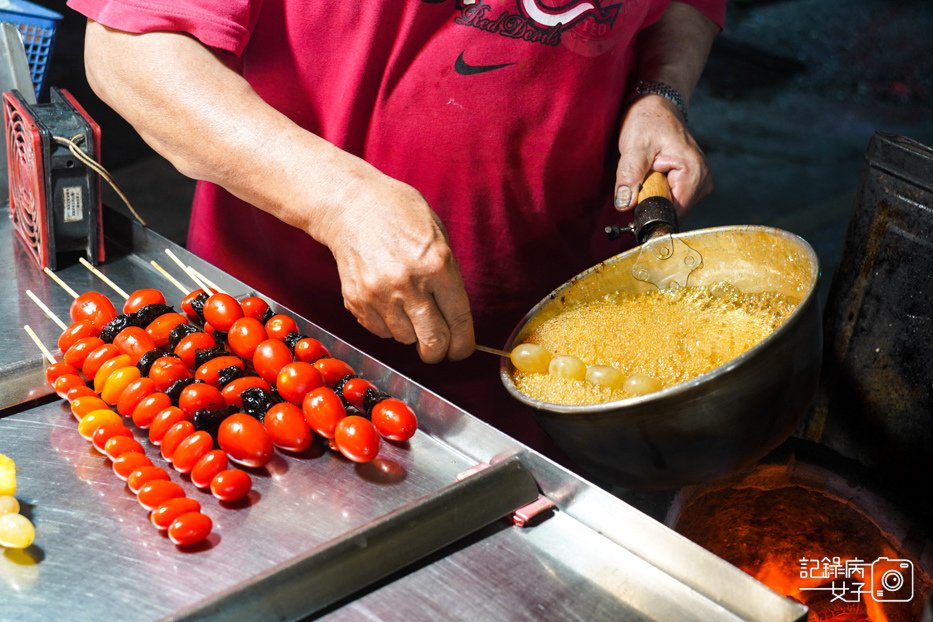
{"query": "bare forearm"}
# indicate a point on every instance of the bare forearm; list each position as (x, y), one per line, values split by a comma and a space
(674, 50)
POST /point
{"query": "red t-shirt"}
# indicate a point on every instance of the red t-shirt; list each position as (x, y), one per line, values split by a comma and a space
(504, 114)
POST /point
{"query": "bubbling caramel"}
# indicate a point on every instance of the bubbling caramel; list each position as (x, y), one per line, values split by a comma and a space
(655, 339)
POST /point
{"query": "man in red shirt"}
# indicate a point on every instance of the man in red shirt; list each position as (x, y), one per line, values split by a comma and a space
(438, 166)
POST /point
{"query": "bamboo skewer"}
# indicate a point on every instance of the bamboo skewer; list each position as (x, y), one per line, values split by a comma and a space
(167, 275)
(45, 351)
(58, 280)
(495, 351)
(190, 274)
(48, 312)
(103, 277)
(201, 276)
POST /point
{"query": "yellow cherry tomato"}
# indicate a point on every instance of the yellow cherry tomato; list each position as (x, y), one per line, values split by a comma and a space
(96, 418)
(118, 380)
(112, 365)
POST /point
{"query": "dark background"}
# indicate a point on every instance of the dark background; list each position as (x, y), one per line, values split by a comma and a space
(793, 91)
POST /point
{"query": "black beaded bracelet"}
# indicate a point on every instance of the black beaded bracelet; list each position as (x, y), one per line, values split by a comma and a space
(653, 87)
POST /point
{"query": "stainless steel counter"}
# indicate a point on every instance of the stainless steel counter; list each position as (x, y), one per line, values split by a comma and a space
(318, 528)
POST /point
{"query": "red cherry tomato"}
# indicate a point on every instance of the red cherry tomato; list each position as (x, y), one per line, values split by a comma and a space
(394, 419)
(296, 379)
(186, 304)
(279, 326)
(245, 440)
(93, 306)
(160, 328)
(55, 370)
(97, 357)
(85, 404)
(166, 370)
(209, 372)
(134, 342)
(157, 491)
(254, 307)
(287, 427)
(166, 418)
(308, 350)
(142, 297)
(190, 450)
(119, 445)
(233, 389)
(199, 396)
(174, 436)
(164, 515)
(222, 310)
(79, 390)
(133, 394)
(231, 485)
(107, 431)
(77, 330)
(79, 350)
(187, 348)
(66, 382)
(270, 357)
(143, 475)
(126, 463)
(356, 439)
(354, 390)
(245, 335)
(332, 370)
(149, 407)
(190, 528)
(209, 465)
(323, 410)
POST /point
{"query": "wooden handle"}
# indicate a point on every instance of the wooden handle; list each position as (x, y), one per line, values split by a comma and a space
(655, 185)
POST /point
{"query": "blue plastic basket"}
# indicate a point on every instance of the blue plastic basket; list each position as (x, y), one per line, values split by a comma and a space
(37, 25)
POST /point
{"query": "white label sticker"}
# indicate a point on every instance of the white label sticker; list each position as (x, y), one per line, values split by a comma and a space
(74, 206)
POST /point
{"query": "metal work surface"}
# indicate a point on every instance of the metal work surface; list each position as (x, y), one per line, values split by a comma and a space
(317, 530)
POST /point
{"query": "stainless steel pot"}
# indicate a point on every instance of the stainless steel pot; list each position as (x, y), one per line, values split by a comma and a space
(718, 422)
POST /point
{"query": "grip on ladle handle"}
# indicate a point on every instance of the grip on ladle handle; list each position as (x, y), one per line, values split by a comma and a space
(654, 212)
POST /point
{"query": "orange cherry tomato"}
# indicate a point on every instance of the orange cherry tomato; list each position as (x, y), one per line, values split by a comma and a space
(164, 515)
(149, 407)
(279, 326)
(134, 342)
(124, 464)
(94, 419)
(323, 410)
(92, 306)
(199, 396)
(167, 370)
(105, 432)
(155, 492)
(67, 382)
(308, 350)
(133, 394)
(287, 428)
(163, 422)
(356, 439)
(254, 307)
(97, 357)
(79, 390)
(209, 372)
(144, 474)
(119, 445)
(186, 304)
(190, 450)
(231, 485)
(232, 390)
(187, 348)
(142, 297)
(245, 335)
(394, 419)
(190, 528)
(333, 370)
(173, 437)
(77, 330)
(79, 350)
(110, 365)
(117, 382)
(270, 357)
(86, 403)
(296, 379)
(209, 465)
(354, 390)
(244, 440)
(53, 371)
(160, 328)
(222, 310)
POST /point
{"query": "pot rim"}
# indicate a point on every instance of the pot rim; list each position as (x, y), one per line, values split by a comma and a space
(682, 387)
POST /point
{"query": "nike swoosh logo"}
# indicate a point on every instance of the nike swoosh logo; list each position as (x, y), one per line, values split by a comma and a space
(465, 69)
